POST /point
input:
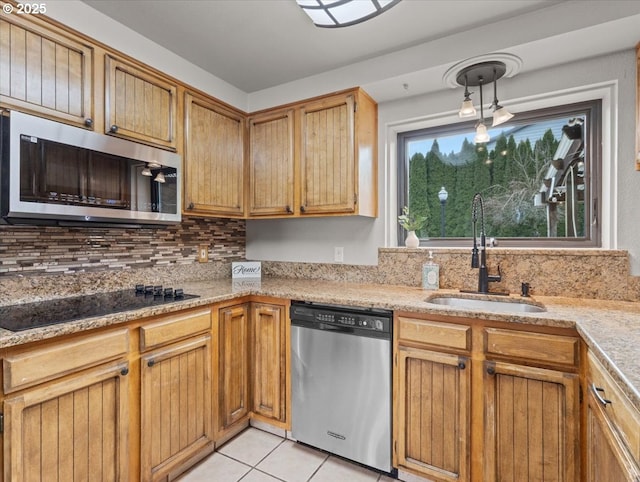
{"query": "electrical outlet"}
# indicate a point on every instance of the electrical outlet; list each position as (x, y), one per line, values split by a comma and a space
(338, 254)
(203, 253)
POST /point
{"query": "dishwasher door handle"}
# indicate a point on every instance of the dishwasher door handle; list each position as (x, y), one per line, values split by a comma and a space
(341, 329)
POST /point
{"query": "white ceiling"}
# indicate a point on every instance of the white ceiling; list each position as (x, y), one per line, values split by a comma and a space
(260, 44)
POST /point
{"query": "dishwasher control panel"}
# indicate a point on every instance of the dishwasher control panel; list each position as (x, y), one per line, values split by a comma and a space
(371, 319)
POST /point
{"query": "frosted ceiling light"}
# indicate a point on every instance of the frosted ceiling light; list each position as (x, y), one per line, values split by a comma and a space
(343, 13)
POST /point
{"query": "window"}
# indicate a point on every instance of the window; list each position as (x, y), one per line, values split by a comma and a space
(539, 177)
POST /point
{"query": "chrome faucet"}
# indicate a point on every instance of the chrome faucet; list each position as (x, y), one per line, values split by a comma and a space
(484, 278)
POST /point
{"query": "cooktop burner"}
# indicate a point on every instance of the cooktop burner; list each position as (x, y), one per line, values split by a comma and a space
(51, 312)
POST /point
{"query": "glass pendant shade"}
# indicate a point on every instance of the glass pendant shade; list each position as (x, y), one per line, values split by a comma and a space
(482, 135)
(500, 115)
(146, 172)
(159, 177)
(467, 109)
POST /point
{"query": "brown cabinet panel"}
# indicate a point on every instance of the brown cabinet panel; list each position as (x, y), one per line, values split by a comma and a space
(176, 414)
(233, 366)
(271, 161)
(44, 70)
(327, 161)
(269, 360)
(433, 414)
(72, 430)
(139, 104)
(213, 158)
(531, 424)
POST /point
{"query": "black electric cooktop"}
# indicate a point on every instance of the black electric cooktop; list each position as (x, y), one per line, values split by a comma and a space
(42, 313)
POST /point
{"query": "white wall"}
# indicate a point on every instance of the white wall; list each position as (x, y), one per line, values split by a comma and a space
(611, 77)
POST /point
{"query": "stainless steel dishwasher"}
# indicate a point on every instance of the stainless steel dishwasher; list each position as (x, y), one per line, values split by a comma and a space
(341, 381)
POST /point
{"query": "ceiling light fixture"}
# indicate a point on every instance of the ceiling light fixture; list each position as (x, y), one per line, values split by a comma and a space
(477, 75)
(146, 171)
(343, 13)
(160, 177)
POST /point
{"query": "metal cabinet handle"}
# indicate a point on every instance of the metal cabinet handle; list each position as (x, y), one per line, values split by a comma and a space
(150, 363)
(302, 209)
(88, 122)
(124, 372)
(190, 206)
(288, 209)
(113, 128)
(462, 365)
(491, 370)
(596, 392)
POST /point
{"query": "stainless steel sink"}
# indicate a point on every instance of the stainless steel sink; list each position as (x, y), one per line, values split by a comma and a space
(508, 305)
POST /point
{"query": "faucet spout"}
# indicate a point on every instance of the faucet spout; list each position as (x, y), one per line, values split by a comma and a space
(483, 273)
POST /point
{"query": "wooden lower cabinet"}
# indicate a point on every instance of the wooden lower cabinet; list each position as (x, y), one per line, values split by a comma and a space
(270, 353)
(75, 429)
(176, 411)
(531, 424)
(434, 414)
(606, 455)
(232, 368)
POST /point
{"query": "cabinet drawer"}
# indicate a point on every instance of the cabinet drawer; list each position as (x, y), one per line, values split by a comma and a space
(39, 365)
(538, 347)
(175, 327)
(435, 333)
(619, 409)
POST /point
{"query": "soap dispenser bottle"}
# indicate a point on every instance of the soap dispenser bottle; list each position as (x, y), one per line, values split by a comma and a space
(430, 274)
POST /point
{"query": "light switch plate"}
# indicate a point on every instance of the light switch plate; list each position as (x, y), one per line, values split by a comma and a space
(338, 254)
(203, 253)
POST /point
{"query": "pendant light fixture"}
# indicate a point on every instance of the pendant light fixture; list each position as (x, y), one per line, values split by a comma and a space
(467, 109)
(478, 75)
(500, 114)
(160, 177)
(482, 136)
(146, 171)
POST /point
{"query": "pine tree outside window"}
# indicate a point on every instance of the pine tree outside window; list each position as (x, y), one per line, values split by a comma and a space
(539, 176)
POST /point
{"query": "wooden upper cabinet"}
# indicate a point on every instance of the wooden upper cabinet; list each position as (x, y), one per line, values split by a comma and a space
(327, 164)
(271, 164)
(213, 158)
(44, 70)
(139, 104)
(338, 155)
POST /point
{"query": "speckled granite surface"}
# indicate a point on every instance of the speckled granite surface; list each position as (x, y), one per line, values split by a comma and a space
(610, 328)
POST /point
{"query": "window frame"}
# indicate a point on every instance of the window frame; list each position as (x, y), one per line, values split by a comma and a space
(593, 111)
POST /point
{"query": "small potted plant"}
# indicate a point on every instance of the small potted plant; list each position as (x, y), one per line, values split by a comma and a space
(411, 223)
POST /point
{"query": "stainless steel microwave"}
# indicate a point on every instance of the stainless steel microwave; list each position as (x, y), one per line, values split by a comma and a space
(53, 173)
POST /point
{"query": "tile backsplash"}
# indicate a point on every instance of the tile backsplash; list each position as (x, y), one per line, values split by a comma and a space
(36, 250)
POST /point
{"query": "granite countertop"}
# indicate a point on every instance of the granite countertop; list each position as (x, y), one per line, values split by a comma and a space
(611, 329)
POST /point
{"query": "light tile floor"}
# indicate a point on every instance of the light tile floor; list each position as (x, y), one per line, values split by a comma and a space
(258, 456)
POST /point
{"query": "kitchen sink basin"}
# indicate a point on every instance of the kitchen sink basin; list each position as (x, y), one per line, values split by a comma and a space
(508, 305)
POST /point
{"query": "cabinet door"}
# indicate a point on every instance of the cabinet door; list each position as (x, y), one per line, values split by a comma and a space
(271, 168)
(269, 360)
(176, 422)
(531, 424)
(139, 104)
(72, 430)
(328, 169)
(214, 158)
(45, 71)
(433, 409)
(607, 458)
(233, 365)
